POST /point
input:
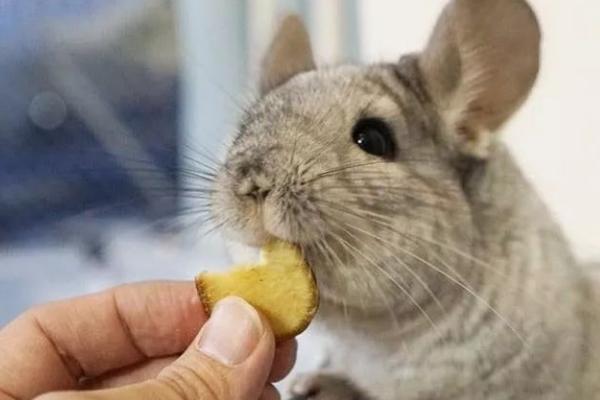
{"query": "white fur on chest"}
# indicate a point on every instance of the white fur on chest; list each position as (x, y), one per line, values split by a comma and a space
(370, 364)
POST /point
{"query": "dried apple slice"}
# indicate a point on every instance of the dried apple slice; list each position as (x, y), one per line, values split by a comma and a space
(281, 286)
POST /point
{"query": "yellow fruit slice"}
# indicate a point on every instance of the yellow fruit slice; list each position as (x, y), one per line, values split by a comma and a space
(281, 286)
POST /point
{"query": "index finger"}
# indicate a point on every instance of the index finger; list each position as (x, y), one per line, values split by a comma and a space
(54, 346)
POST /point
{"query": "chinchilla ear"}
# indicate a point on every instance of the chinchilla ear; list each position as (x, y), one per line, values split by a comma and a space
(480, 65)
(289, 54)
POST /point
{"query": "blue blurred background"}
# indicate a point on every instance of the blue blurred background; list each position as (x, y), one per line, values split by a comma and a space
(104, 103)
(63, 100)
(86, 103)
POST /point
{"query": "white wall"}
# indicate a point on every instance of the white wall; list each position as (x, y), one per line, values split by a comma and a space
(556, 137)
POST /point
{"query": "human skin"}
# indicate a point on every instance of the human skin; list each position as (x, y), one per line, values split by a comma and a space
(139, 340)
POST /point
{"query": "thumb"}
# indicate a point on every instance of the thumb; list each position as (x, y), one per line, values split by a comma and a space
(229, 360)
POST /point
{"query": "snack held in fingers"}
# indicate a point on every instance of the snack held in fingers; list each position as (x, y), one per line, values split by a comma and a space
(281, 286)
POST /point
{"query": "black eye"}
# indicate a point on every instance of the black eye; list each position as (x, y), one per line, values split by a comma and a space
(374, 136)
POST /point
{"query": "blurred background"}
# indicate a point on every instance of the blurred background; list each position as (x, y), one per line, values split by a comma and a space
(105, 102)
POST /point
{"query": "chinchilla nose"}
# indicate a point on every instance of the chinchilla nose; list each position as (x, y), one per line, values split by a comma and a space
(252, 181)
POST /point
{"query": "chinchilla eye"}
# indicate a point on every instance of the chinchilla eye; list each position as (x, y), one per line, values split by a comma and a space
(374, 136)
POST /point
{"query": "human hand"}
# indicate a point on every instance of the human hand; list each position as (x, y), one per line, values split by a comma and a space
(127, 341)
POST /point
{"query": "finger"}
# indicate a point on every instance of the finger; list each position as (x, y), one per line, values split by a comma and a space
(230, 360)
(285, 358)
(52, 347)
(130, 375)
(270, 393)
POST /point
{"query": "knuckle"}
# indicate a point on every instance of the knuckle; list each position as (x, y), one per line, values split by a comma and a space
(196, 382)
(33, 312)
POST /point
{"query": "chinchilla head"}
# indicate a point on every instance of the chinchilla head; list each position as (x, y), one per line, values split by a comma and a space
(363, 166)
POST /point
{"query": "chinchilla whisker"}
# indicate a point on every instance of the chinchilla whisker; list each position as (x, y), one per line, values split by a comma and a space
(392, 194)
(314, 159)
(195, 204)
(197, 174)
(188, 180)
(318, 123)
(416, 276)
(390, 277)
(411, 174)
(215, 228)
(338, 261)
(413, 273)
(416, 203)
(205, 222)
(199, 205)
(196, 190)
(403, 264)
(208, 160)
(192, 216)
(360, 180)
(197, 199)
(341, 169)
(203, 197)
(330, 254)
(196, 177)
(325, 145)
(380, 291)
(385, 194)
(355, 174)
(366, 215)
(340, 265)
(343, 228)
(380, 220)
(195, 194)
(455, 250)
(375, 173)
(327, 253)
(378, 190)
(420, 240)
(460, 284)
(208, 190)
(465, 286)
(191, 164)
(489, 268)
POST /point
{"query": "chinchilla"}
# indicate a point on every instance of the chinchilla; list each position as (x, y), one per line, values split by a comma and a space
(442, 274)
